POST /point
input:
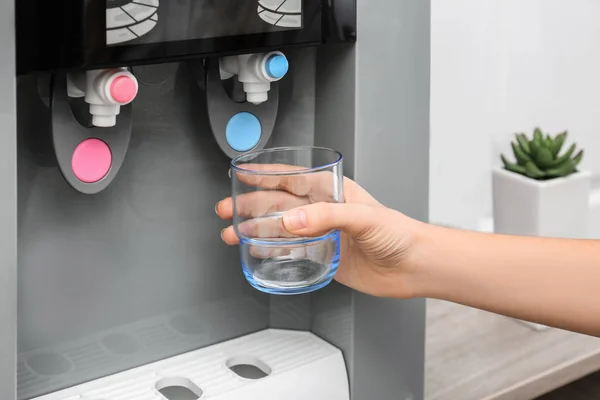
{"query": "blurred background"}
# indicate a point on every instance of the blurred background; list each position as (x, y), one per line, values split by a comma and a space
(500, 67)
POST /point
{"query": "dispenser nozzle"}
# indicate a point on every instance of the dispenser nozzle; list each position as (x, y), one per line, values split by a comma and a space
(106, 90)
(255, 72)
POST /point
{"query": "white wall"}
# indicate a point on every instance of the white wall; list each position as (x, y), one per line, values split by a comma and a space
(501, 66)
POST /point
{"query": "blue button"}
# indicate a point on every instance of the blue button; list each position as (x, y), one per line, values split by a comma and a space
(243, 131)
(277, 66)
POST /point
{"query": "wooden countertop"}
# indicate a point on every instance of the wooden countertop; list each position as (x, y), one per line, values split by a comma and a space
(476, 355)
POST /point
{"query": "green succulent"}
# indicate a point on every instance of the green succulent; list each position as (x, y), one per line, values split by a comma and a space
(538, 158)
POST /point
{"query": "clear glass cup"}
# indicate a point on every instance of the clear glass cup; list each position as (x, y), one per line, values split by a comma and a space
(267, 183)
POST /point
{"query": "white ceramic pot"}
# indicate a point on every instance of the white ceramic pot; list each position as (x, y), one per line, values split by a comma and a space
(552, 208)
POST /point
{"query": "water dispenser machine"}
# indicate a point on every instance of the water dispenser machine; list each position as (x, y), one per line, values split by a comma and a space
(120, 120)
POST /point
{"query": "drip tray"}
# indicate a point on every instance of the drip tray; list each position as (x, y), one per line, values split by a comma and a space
(266, 365)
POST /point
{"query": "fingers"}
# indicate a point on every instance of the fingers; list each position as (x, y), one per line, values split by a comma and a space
(310, 220)
(270, 168)
(293, 183)
(224, 208)
(261, 203)
(258, 204)
(319, 186)
(320, 218)
(228, 235)
(263, 228)
(266, 176)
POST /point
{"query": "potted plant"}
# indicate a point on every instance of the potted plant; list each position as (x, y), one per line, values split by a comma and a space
(541, 193)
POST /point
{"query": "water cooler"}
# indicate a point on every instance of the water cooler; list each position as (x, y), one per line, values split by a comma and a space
(120, 118)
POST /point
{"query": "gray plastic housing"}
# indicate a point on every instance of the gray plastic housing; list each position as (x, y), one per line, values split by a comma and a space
(142, 261)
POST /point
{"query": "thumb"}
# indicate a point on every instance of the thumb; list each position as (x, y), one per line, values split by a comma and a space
(319, 218)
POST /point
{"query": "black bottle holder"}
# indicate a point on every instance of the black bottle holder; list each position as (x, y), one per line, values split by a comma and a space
(223, 106)
(71, 126)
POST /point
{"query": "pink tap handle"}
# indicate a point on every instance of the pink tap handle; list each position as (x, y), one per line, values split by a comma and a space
(123, 89)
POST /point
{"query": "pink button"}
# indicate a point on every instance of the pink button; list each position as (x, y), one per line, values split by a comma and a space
(123, 89)
(91, 160)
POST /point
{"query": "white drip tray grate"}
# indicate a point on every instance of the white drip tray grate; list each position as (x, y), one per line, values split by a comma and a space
(266, 365)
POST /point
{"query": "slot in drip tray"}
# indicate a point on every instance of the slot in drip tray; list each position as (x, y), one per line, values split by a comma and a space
(177, 388)
(267, 365)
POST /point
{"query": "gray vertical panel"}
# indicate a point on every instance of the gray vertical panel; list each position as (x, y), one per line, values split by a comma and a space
(381, 89)
(8, 205)
(392, 162)
(335, 113)
(332, 308)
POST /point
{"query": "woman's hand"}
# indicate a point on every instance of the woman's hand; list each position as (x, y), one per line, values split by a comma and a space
(385, 253)
(376, 242)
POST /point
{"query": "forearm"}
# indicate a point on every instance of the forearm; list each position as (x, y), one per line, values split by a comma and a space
(550, 281)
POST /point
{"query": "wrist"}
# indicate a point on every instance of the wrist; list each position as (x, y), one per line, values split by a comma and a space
(426, 260)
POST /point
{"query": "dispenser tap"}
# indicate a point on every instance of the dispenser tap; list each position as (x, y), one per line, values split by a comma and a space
(255, 72)
(105, 90)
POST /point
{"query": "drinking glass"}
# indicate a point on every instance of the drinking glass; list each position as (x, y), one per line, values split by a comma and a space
(266, 184)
